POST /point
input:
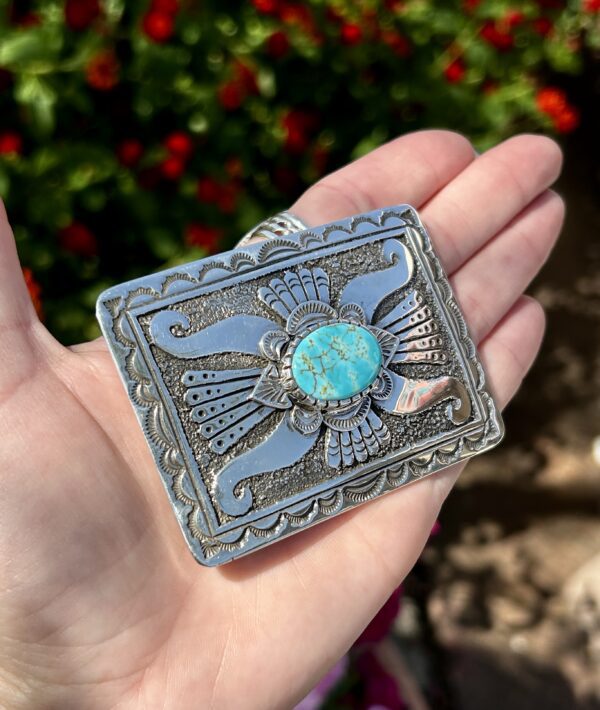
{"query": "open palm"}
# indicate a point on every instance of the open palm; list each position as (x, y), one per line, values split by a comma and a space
(101, 605)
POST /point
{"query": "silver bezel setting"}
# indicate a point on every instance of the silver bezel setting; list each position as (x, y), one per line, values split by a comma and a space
(289, 383)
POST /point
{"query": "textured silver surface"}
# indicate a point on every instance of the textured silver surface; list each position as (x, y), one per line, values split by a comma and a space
(246, 457)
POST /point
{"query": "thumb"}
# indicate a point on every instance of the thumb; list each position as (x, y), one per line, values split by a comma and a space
(16, 307)
(18, 318)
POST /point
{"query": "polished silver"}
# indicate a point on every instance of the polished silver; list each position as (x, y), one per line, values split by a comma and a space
(247, 455)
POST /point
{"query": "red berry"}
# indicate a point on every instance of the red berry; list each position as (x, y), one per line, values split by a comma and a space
(296, 141)
(35, 291)
(513, 18)
(231, 95)
(455, 71)
(301, 120)
(199, 235)
(158, 26)
(208, 190)
(297, 14)
(168, 7)
(11, 143)
(278, 44)
(298, 126)
(78, 239)
(591, 5)
(245, 77)
(543, 26)
(102, 72)
(551, 100)
(397, 43)
(497, 37)
(227, 199)
(80, 14)
(180, 144)
(266, 7)
(567, 120)
(172, 167)
(129, 152)
(351, 33)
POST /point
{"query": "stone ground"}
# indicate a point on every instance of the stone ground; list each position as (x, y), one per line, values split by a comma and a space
(503, 610)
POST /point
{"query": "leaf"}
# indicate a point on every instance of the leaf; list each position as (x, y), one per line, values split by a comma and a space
(370, 142)
(563, 59)
(39, 98)
(4, 183)
(22, 48)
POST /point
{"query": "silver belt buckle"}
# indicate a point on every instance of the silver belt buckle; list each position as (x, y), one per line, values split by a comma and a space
(284, 382)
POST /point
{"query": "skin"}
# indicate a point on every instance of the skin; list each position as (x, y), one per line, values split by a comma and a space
(101, 605)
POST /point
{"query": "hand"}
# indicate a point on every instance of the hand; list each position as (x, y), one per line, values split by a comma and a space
(101, 604)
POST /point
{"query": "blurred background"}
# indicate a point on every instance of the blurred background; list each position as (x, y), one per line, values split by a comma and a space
(137, 135)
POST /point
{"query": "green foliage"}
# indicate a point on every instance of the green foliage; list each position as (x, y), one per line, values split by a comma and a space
(269, 95)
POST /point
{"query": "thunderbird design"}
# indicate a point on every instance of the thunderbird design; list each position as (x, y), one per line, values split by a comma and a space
(331, 367)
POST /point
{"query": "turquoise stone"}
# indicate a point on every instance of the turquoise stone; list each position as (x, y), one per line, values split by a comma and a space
(336, 361)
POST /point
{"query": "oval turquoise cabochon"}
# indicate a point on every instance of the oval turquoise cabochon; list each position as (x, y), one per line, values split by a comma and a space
(336, 361)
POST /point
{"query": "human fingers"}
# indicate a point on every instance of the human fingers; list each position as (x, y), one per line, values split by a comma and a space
(471, 209)
(409, 169)
(488, 284)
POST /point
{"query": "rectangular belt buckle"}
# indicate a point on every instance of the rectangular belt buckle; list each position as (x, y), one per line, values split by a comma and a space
(282, 383)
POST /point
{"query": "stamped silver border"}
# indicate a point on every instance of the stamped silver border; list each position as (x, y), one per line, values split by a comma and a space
(210, 544)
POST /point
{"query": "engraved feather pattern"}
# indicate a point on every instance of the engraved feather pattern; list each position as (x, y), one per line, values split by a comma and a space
(355, 446)
(283, 295)
(221, 405)
(417, 330)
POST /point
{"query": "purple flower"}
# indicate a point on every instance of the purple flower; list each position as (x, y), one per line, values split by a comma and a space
(380, 688)
(319, 693)
(383, 620)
